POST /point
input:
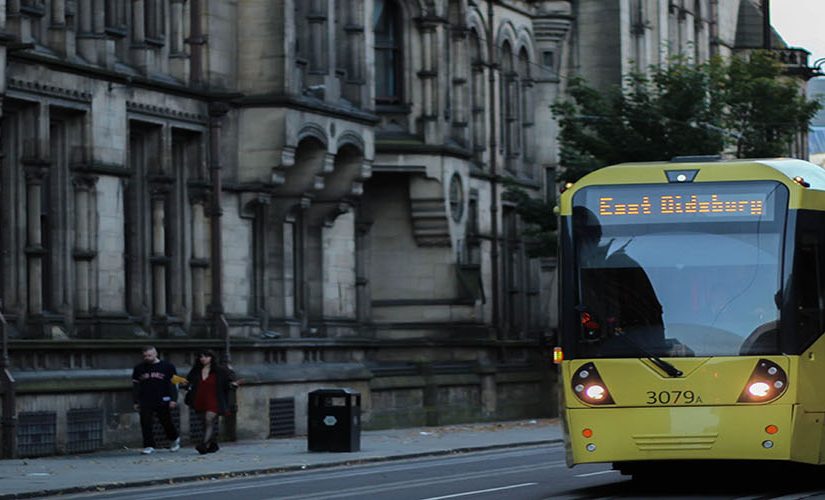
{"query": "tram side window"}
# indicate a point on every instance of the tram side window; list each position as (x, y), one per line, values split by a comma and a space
(808, 280)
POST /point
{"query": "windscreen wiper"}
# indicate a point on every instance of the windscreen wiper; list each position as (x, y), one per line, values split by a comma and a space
(656, 360)
(665, 366)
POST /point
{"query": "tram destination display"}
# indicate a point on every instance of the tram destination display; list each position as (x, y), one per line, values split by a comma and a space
(664, 203)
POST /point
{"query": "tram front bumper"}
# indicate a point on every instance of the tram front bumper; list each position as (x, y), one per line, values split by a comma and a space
(752, 432)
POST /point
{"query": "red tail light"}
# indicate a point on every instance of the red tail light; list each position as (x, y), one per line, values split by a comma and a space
(588, 386)
(767, 382)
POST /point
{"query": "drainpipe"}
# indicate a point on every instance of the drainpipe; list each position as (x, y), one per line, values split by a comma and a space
(491, 54)
(217, 110)
(220, 327)
(766, 24)
(9, 420)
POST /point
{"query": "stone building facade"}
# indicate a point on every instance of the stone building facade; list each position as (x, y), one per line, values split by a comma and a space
(314, 187)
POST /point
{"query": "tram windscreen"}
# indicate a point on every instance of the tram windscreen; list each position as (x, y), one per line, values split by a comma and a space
(678, 269)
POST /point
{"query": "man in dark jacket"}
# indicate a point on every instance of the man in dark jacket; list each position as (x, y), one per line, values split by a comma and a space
(154, 394)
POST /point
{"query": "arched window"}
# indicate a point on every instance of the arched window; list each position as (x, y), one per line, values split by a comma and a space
(524, 143)
(388, 57)
(508, 104)
(478, 96)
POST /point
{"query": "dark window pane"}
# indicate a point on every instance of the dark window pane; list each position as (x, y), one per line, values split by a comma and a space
(387, 49)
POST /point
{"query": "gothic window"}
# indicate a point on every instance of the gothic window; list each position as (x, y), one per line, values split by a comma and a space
(144, 229)
(473, 231)
(514, 274)
(65, 135)
(351, 56)
(317, 37)
(509, 109)
(527, 110)
(388, 55)
(47, 230)
(186, 174)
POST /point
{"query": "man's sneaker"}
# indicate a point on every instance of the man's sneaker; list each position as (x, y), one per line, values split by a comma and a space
(175, 445)
(148, 450)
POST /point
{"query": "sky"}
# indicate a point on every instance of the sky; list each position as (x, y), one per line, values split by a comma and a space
(801, 23)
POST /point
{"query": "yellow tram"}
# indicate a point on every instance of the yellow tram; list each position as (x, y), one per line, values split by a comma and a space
(692, 312)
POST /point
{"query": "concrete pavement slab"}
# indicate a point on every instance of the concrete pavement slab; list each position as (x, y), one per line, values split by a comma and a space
(30, 478)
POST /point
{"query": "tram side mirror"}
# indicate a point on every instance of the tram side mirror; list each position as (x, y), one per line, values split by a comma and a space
(777, 298)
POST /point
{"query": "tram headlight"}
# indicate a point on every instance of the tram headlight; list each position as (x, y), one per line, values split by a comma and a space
(766, 383)
(588, 386)
(759, 389)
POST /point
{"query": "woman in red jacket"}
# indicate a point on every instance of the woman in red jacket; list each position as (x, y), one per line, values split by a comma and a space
(209, 386)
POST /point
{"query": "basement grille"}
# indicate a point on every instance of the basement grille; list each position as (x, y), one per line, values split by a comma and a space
(36, 433)
(281, 417)
(84, 429)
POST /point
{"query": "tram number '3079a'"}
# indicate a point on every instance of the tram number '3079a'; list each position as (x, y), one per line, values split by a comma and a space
(673, 398)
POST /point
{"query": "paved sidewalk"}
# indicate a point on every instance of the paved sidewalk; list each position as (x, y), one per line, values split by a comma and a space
(30, 478)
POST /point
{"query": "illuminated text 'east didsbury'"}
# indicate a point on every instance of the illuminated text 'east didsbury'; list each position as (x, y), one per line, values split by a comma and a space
(677, 204)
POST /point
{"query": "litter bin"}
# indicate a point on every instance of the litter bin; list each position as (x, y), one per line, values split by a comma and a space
(334, 420)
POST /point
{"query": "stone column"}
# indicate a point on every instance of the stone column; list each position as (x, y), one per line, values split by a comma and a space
(313, 264)
(177, 55)
(83, 245)
(196, 41)
(176, 26)
(139, 50)
(478, 106)
(200, 256)
(85, 7)
(362, 266)
(85, 36)
(278, 259)
(296, 298)
(528, 129)
(35, 252)
(429, 81)
(99, 30)
(159, 259)
(515, 106)
(460, 98)
(353, 48)
(317, 20)
(58, 12)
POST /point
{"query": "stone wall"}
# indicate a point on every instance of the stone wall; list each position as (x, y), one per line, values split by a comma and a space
(393, 394)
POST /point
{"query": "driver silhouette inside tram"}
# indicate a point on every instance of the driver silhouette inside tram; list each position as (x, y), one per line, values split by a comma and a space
(616, 293)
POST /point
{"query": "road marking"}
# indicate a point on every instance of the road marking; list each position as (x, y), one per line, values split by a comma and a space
(596, 473)
(511, 487)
